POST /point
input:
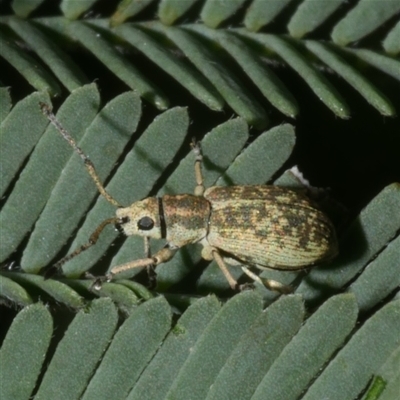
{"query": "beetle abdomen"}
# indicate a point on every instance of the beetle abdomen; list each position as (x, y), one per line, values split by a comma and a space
(269, 226)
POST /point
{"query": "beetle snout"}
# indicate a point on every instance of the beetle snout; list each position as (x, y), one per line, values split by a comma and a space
(119, 224)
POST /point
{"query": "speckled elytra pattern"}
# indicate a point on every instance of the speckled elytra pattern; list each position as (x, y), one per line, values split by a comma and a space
(269, 226)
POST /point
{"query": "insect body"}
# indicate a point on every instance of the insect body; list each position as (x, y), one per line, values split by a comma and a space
(264, 226)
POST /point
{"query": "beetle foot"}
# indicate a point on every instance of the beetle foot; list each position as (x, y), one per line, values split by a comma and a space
(98, 281)
(246, 286)
(51, 272)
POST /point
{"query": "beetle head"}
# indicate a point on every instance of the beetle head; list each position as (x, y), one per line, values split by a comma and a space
(141, 218)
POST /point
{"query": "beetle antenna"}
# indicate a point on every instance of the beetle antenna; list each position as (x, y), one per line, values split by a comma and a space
(46, 110)
(92, 241)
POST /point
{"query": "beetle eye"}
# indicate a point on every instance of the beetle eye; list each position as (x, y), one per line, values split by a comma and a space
(145, 223)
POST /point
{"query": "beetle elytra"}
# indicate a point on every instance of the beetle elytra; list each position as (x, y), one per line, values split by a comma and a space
(263, 226)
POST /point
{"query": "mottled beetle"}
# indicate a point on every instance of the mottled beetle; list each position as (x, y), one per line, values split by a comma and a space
(263, 226)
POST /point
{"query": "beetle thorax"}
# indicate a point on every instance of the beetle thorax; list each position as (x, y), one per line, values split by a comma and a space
(186, 218)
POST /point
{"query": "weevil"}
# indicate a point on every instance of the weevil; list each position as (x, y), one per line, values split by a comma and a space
(263, 226)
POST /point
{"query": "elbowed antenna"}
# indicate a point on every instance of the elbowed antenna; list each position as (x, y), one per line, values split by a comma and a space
(46, 110)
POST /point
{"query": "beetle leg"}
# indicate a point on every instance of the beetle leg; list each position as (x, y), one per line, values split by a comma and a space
(221, 264)
(268, 283)
(150, 269)
(162, 256)
(199, 189)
